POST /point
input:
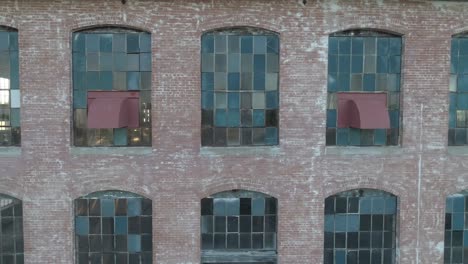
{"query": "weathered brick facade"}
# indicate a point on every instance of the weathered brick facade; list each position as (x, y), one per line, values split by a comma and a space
(47, 173)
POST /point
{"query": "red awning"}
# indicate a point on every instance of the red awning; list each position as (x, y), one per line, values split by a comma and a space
(362, 110)
(113, 109)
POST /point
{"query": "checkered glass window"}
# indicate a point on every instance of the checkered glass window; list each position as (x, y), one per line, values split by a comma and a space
(240, 98)
(111, 59)
(364, 61)
(239, 225)
(458, 110)
(113, 227)
(360, 227)
(456, 229)
(11, 233)
(10, 97)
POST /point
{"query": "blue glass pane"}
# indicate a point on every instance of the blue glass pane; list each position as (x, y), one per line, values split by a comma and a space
(79, 42)
(234, 118)
(332, 82)
(390, 205)
(331, 118)
(234, 62)
(14, 70)
(220, 118)
(121, 223)
(394, 64)
(453, 101)
(449, 205)
(365, 205)
(133, 43)
(344, 45)
(332, 63)
(343, 82)
(382, 64)
(107, 207)
(79, 99)
(233, 81)
(344, 64)
(4, 41)
(329, 223)
(382, 46)
(462, 101)
(354, 136)
(258, 206)
(394, 46)
(207, 81)
(82, 225)
(465, 239)
(232, 206)
(105, 80)
(357, 64)
(219, 207)
(145, 61)
(357, 46)
(333, 45)
(340, 223)
(352, 223)
(340, 257)
(462, 83)
(260, 44)
(106, 62)
(120, 136)
(207, 100)
(259, 63)
(207, 44)
(342, 136)
(134, 207)
(272, 44)
(463, 48)
(120, 62)
(463, 64)
(134, 243)
(79, 62)
(233, 101)
(459, 204)
(394, 119)
(271, 136)
(271, 100)
(246, 44)
(133, 80)
(258, 118)
(369, 82)
(380, 136)
(454, 64)
(92, 42)
(106, 42)
(452, 118)
(145, 42)
(378, 205)
(454, 47)
(458, 221)
(259, 81)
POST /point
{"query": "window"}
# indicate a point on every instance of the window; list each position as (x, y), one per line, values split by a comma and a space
(12, 230)
(362, 65)
(360, 227)
(10, 97)
(113, 227)
(458, 111)
(456, 228)
(240, 69)
(112, 87)
(239, 227)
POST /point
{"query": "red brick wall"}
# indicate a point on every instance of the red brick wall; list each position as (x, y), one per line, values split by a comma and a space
(300, 172)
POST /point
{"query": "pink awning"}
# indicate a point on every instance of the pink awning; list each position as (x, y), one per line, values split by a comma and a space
(113, 109)
(362, 110)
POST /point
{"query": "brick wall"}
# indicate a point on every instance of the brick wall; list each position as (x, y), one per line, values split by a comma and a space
(176, 173)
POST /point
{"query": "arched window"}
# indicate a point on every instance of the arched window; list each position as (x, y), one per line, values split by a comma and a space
(456, 228)
(360, 227)
(111, 87)
(11, 235)
(364, 75)
(458, 117)
(240, 98)
(113, 227)
(10, 97)
(239, 227)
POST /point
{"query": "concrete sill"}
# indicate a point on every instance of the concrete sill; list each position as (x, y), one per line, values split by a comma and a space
(370, 151)
(10, 152)
(458, 150)
(111, 151)
(240, 151)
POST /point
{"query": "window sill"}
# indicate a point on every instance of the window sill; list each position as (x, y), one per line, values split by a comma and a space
(457, 150)
(371, 151)
(111, 151)
(10, 152)
(241, 151)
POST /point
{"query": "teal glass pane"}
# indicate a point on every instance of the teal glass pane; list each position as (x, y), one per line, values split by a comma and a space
(331, 118)
(462, 101)
(462, 83)
(207, 44)
(246, 44)
(233, 118)
(271, 136)
(145, 42)
(207, 100)
(105, 42)
(234, 62)
(357, 64)
(79, 99)
(343, 82)
(394, 119)
(79, 80)
(133, 43)
(454, 46)
(340, 256)
(380, 136)
(207, 81)
(394, 64)
(354, 136)
(340, 223)
(463, 64)
(272, 100)
(233, 81)
(452, 118)
(121, 225)
(382, 64)
(233, 101)
(344, 46)
(79, 42)
(332, 63)
(92, 42)
(259, 63)
(107, 207)
(92, 80)
(220, 44)
(105, 80)
(272, 44)
(4, 41)
(119, 43)
(365, 205)
(369, 82)
(13, 41)
(458, 221)
(342, 135)
(382, 46)
(120, 136)
(134, 243)
(120, 61)
(260, 44)
(82, 225)
(463, 48)
(133, 80)
(352, 223)
(145, 61)
(394, 46)
(258, 206)
(357, 46)
(453, 64)
(106, 62)
(14, 70)
(134, 207)
(333, 45)
(220, 118)
(259, 81)
(344, 64)
(15, 117)
(390, 205)
(332, 82)
(258, 118)
(79, 62)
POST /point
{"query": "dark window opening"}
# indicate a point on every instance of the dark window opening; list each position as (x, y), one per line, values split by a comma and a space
(11, 235)
(456, 228)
